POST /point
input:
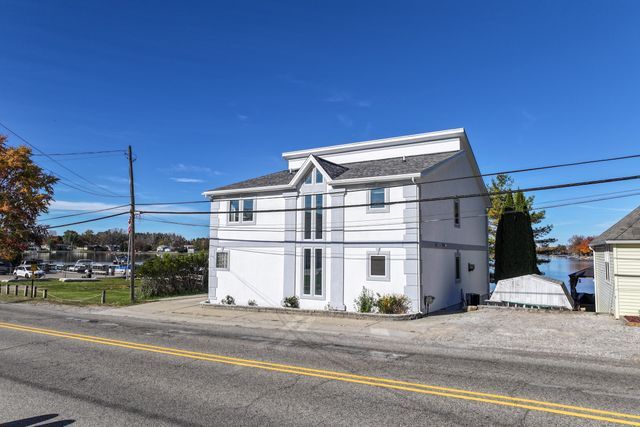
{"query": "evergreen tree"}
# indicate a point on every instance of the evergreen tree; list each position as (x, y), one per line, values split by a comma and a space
(502, 183)
(515, 250)
(520, 203)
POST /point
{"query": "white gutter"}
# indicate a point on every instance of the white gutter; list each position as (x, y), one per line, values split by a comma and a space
(247, 190)
(368, 179)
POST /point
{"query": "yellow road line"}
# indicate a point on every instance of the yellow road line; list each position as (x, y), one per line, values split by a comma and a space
(569, 410)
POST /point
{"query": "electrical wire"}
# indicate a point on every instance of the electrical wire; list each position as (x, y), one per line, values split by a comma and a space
(48, 227)
(56, 161)
(85, 213)
(513, 171)
(421, 200)
(81, 152)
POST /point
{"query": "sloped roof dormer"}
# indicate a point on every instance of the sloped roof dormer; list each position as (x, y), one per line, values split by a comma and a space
(329, 170)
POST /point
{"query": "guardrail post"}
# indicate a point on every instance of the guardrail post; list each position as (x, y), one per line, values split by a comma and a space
(26, 290)
(16, 290)
(44, 294)
(103, 297)
(7, 289)
(34, 292)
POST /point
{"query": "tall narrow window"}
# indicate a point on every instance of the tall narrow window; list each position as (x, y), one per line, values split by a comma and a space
(607, 265)
(247, 210)
(318, 216)
(377, 198)
(307, 216)
(306, 286)
(234, 211)
(318, 275)
(456, 212)
(457, 266)
(319, 177)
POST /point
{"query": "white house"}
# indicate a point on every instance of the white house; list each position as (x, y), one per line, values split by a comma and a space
(344, 217)
(616, 267)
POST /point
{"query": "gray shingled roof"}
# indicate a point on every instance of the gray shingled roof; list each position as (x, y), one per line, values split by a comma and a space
(628, 228)
(366, 169)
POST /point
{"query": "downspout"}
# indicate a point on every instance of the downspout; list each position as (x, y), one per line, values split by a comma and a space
(419, 266)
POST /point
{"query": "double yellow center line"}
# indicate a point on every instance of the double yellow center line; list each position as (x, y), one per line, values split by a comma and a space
(448, 392)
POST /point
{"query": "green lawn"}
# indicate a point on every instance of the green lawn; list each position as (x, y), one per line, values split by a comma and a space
(80, 293)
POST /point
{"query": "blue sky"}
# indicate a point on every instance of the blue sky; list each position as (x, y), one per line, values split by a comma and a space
(209, 93)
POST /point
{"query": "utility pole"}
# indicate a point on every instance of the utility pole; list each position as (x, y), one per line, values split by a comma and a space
(132, 231)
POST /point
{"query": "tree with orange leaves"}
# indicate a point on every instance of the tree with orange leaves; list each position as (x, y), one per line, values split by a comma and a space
(579, 245)
(25, 193)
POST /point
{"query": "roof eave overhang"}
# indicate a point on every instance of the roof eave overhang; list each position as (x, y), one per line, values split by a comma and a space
(377, 143)
(213, 193)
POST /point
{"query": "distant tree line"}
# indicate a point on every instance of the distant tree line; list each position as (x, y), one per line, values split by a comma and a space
(577, 245)
(119, 238)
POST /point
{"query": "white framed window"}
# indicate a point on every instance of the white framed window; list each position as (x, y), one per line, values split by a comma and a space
(313, 216)
(222, 260)
(313, 177)
(377, 199)
(242, 211)
(312, 272)
(458, 267)
(378, 264)
(456, 213)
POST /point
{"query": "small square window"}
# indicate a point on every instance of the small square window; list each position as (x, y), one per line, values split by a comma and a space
(222, 260)
(378, 266)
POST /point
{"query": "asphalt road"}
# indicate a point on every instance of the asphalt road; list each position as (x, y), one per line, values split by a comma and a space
(60, 368)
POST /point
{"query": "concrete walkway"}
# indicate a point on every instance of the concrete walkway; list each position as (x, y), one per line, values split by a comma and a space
(565, 334)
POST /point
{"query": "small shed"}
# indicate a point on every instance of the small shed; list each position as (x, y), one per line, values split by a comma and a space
(616, 267)
(532, 290)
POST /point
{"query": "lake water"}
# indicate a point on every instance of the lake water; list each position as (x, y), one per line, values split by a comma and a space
(560, 267)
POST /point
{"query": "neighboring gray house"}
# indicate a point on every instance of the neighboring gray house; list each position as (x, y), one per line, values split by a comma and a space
(616, 267)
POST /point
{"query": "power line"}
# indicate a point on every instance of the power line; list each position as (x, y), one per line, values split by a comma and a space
(513, 171)
(80, 152)
(85, 213)
(421, 200)
(56, 161)
(346, 229)
(48, 227)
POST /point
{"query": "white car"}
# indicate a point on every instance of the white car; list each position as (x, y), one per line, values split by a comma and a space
(81, 265)
(25, 271)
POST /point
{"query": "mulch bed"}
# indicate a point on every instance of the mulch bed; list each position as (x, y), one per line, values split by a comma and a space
(632, 320)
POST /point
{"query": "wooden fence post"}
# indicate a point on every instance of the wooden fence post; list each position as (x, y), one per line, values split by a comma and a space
(44, 294)
(34, 292)
(26, 290)
(16, 290)
(103, 297)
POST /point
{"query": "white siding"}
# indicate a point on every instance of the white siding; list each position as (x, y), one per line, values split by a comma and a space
(628, 279)
(603, 287)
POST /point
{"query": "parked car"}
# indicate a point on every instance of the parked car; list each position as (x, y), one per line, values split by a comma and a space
(25, 271)
(81, 265)
(5, 267)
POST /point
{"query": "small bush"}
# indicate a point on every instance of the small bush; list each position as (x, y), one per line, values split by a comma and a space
(393, 304)
(228, 300)
(252, 303)
(174, 275)
(291, 302)
(366, 302)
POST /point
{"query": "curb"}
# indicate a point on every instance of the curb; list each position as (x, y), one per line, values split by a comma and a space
(318, 313)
